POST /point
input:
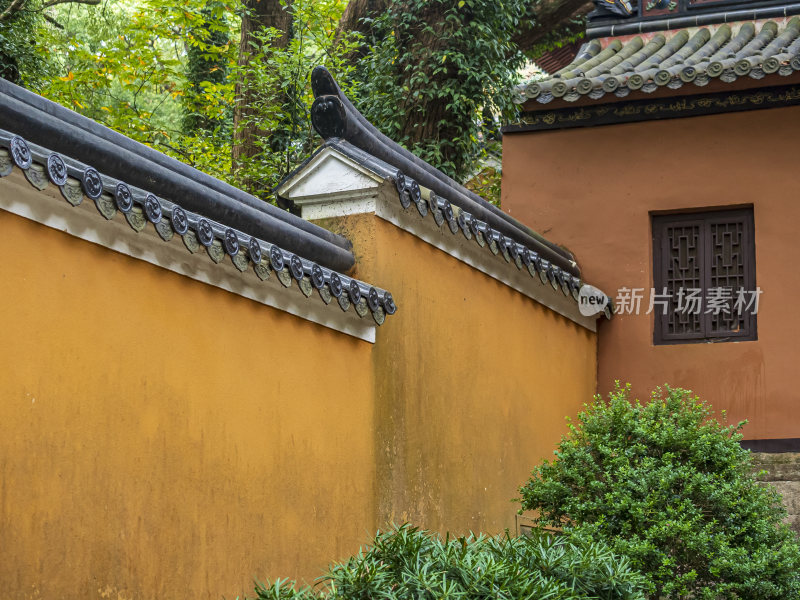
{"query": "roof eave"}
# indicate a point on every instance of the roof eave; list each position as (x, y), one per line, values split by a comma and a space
(48, 124)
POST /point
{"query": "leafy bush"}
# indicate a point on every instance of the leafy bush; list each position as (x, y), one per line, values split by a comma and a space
(668, 486)
(410, 564)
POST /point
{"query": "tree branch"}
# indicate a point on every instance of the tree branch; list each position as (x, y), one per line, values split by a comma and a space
(15, 6)
(53, 22)
(50, 3)
(546, 16)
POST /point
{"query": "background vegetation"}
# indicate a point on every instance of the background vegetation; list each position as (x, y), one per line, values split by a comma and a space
(224, 84)
(409, 564)
(668, 486)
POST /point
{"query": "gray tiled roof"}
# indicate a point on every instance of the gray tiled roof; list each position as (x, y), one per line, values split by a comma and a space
(447, 215)
(77, 181)
(334, 117)
(43, 122)
(673, 59)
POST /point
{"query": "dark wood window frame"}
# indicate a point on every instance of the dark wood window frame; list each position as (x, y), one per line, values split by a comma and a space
(706, 267)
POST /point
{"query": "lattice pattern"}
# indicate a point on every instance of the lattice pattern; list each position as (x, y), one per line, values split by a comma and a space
(706, 262)
(727, 273)
(683, 273)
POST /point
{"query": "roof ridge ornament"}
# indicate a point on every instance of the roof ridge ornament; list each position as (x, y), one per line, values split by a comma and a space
(334, 116)
(623, 8)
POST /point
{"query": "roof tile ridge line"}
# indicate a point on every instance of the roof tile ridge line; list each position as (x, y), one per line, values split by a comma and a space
(333, 115)
(761, 40)
(629, 48)
(721, 36)
(102, 132)
(459, 219)
(640, 26)
(670, 47)
(790, 55)
(588, 50)
(693, 45)
(720, 60)
(729, 42)
(612, 49)
(782, 40)
(57, 169)
(195, 195)
(691, 75)
(653, 45)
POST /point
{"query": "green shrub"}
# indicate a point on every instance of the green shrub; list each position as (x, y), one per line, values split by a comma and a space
(671, 488)
(409, 564)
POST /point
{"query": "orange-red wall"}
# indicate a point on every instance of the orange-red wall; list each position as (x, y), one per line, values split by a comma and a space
(592, 190)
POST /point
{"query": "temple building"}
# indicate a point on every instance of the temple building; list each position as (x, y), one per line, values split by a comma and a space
(202, 389)
(663, 157)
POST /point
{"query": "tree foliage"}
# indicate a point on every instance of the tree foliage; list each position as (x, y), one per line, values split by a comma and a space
(207, 69)
(279, 96)
(224, 84)
(549, 24)
(670, 487)
(17, 41)
(437, 77)
(409, 564)
(125, 64)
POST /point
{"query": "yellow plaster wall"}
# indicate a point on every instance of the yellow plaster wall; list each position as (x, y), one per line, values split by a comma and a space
(161, 438)
(473, 382)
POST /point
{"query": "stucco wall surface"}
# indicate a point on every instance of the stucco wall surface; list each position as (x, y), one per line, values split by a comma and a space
(593, 190)
(161, 438)
(473, 382)
(783, 472)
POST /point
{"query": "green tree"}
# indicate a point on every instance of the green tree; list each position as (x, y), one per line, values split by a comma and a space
(273, 128)
(409, 564)
(671, 488)
(433, 75)
(20, 24)
(207, 67)
(437, 75)
(266, 31)
(126, 65)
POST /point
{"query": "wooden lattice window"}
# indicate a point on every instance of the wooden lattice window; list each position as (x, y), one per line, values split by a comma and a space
(704, 273)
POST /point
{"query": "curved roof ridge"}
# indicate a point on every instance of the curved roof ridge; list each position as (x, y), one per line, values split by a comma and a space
(48, 124)
(334, 116)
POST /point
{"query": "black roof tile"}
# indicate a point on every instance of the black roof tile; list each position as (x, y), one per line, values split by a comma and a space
(672, 59)
(78, 181)
(43, 122)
